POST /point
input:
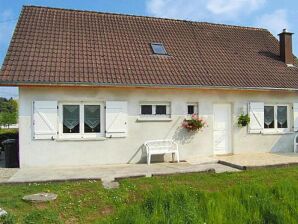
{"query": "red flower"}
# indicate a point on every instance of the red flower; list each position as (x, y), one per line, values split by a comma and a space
(194, 124)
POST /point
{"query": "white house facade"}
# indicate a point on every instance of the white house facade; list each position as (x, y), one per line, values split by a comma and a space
(124, 129)
(94, 87)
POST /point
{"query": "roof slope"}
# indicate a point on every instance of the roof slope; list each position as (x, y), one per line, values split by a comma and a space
(66, 47)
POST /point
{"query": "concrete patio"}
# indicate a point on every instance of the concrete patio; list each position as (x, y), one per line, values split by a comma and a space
(112, 172)
(259, 160)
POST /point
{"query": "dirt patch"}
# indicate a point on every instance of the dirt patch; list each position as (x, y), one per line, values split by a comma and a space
(79, 192)
(71, 220)
(41, 206)
(107, 210)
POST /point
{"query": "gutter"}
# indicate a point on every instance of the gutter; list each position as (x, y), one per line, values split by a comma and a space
(163, 86)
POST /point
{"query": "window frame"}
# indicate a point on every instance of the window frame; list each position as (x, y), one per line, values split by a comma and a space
(81, 134)
(276, 129)
(160, 44)
(155, 116)
(196, 108)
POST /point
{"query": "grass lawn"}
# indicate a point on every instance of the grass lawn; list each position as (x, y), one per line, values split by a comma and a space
(6, 130)
(257, 196)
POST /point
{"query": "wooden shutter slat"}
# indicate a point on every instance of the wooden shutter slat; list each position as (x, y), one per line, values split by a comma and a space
(295, 116)
(116, 119)
(256, 114)
(45, 119)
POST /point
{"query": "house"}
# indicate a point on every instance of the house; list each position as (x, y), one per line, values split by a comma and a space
(95, 86)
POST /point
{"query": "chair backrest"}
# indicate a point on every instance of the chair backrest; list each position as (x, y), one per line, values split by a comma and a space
(160, 144)
(296, 143)
(296, 138)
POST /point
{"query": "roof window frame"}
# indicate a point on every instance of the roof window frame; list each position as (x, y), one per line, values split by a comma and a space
(160, 44)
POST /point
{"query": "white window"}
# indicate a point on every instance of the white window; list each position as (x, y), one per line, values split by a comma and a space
(156, 110)
(80, 120)
(276, 118)
(192, 108)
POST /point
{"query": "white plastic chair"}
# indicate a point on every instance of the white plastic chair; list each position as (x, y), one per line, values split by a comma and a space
(295, 143)
(159, 147)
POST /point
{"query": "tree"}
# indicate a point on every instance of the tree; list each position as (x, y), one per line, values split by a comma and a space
(8, 111)
(6, 105)
(7, 119)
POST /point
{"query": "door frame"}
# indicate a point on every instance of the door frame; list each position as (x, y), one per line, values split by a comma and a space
(230, 148)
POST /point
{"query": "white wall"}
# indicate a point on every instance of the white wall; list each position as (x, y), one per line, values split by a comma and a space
(37, 153)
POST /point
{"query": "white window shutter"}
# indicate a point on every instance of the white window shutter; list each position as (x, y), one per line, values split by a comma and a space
(256, 114)
(45, 119)
(116, 119)
(295, 113)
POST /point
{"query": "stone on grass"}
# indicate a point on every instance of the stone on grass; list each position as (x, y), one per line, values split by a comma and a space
(110, 184)
(40, 197)
(2, 212)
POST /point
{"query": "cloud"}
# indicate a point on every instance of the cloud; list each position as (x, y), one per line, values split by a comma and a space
(214, 10)
(178, 9)
(275, 21)
(233, 7)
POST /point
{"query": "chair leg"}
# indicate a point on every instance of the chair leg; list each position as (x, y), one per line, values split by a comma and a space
(148, 159)
(177, 156)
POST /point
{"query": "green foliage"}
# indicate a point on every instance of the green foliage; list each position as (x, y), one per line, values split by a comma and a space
(256, 196)
(243, 120)
(42, 216)
(8, 219)
(8, 105)
(8, 111)
(243, 204)
(195, 123)
(7, 119)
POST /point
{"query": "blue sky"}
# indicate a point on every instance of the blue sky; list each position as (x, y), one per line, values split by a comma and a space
(271, 14)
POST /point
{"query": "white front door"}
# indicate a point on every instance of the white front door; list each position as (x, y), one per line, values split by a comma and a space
(222, 129)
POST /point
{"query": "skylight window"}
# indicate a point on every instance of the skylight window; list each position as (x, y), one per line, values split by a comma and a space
(158, 48)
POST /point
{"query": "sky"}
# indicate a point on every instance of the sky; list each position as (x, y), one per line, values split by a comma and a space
(273, 15)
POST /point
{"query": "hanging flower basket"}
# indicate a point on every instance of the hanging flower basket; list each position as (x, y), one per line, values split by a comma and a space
(243, 120)
(195, 123)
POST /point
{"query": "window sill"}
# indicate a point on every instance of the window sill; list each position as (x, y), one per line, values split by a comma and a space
(278, 133)
(61, 139)
(144, 119)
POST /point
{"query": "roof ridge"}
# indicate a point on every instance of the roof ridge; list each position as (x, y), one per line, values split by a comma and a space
(149, 17)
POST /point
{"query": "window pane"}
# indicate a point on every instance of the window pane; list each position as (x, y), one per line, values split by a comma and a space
(146, 109)
(282, 117)
(71, 118)
(190, 109)
(158, 48)
(161, 109)
(91, 118)
(269, 117)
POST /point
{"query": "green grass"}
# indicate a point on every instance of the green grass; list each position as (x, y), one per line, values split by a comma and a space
(257, 196)
(8, 131)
